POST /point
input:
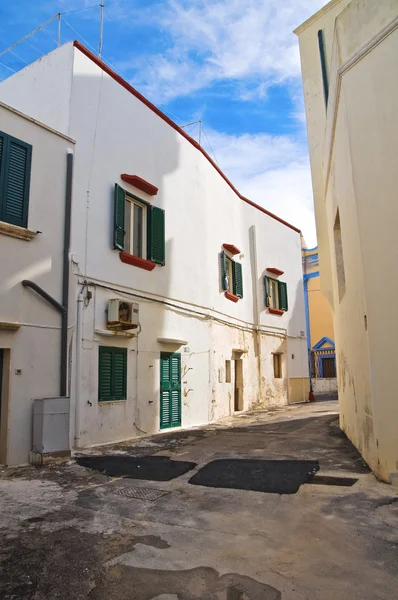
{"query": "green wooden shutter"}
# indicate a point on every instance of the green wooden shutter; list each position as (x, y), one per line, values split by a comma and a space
(282, 289)
(165, 390)
(2, 157)
(104, 373)
(267, 291)
(238, 279)
(119, 212)
(112, 374)
(119, 368)
(16, 159)
(175, 408)
(224, 272)
(156, 235)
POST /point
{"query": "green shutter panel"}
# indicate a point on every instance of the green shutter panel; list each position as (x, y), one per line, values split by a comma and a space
(165, 391)
(175, 408)
(282, 288)
(238, 279)
(104, 373)
(2, 157)
(119, 372)
(224, 272)
(156, 235)
(119, 210)
(267, 291)
(16, 164)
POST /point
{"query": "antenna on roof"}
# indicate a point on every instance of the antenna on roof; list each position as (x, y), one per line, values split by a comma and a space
(102, 6)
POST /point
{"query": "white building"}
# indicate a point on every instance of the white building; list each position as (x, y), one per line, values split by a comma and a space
(216, 279)
(33, 176)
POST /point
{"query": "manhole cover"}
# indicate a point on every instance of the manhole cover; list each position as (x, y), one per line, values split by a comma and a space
(141, 493)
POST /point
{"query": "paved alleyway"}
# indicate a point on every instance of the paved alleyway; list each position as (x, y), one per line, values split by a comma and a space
(72, 532)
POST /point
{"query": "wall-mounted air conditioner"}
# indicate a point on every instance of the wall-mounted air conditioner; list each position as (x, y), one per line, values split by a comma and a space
(122, 315)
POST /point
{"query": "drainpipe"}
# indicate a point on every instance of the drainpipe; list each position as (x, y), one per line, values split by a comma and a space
(62, 308)
(65, 275)
(78, 354)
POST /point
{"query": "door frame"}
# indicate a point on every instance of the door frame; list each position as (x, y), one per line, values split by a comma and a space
(238, 384)
(169, 426)
(5, 401)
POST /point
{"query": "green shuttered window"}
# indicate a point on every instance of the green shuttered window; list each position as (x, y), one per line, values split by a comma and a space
(275, 294)
(135, 221)
(231, 275)
(112, 374)
(15, 162)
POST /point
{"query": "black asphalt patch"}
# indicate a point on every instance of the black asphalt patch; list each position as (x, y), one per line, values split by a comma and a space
(330, 480)
(148, 468)
(270, 476)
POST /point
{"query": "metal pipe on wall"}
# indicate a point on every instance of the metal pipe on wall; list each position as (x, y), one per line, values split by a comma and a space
(78, 352)
(65, 276)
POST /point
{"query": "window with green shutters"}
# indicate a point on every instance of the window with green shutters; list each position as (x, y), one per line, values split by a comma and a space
(112, 374)
(231, 275)
(139, 228)
(15, 162)
(275, 294)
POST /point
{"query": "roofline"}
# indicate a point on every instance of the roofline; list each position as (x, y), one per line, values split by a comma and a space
(36, 122)
(316, 16)
(179, 130)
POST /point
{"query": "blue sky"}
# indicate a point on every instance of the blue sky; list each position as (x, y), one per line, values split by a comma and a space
(233, 64)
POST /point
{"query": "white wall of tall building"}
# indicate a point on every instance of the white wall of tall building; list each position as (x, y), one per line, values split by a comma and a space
(117, 133)
(34, 348)
(358, 140)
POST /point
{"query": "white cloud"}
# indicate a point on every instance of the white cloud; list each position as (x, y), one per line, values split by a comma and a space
(225, 40)
(273, 171)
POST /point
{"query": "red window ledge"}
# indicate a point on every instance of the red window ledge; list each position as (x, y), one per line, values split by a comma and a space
(136, 261)
(276, 311)
(140, 184)
(231, 297)
(275, 271)
(231, 249)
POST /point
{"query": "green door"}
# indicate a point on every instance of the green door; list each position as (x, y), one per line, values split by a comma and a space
(170, 390)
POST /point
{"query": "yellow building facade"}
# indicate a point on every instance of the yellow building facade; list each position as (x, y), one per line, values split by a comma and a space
(349, 53)
(320, 332)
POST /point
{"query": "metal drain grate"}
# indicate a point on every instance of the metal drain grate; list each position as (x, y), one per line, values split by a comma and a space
(141, 493)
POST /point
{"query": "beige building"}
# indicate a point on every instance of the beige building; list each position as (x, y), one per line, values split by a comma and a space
(349, 55)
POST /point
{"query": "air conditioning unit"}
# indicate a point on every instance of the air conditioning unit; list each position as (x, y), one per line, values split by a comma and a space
(122, 315)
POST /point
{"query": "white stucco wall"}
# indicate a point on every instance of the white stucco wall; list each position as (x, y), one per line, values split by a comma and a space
(358, 142)
(35, 347)
(116, 133)
(202, 213)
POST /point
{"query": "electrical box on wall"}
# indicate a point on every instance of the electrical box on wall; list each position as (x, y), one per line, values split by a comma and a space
(122, 315)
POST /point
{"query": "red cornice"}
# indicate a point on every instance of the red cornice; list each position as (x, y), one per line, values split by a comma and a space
(140, 184)
(130, 259)
(231, 296)
(231, 249)
(275, 271)
(275, 311)
(158, 112)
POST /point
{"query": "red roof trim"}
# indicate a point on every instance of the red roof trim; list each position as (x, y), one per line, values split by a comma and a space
(231, 249)
(140, 184)
(165, 118)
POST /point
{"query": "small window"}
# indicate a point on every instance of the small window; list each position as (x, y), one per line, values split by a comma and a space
(277, 365)
(15, 160)
(139, 228)
(136, 228)
(228, 377)
(275, 294)
(231, 276)
(112, 374)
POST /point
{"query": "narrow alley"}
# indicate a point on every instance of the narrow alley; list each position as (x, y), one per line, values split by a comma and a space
(263, 506)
